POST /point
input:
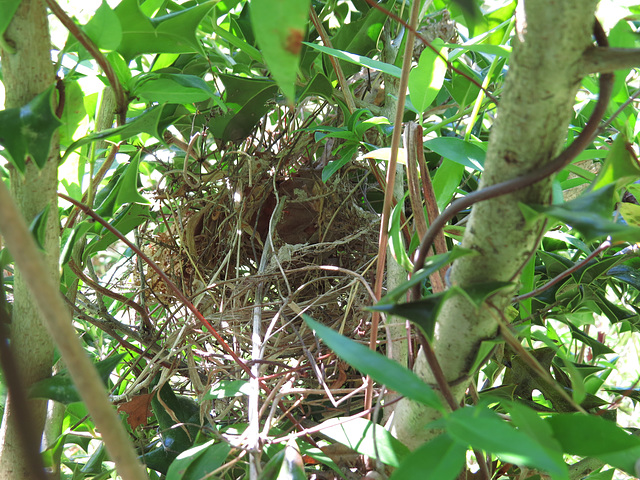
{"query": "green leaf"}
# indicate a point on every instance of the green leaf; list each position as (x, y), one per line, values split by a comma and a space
(366, 438)
(619, 166)
(604, 475)
(279, 28)
(129, 218)
(147, 122)
(173, 33)
(292, 467)
(77, 234)
(272, 467)
(124, 191)
(358, 60)
(7, 9)
(497, 50)
(446, 181)
(252, 52)
(74, 111)
(432, 264)
(485, 430)
(39, 227)
(426, 79)
(396, 237)
(459, 151)
(171, 413)
(253, 98)
(228, 388)
(172, 88)
(28, 130)
(359, 36)
(195, 463)
(597, 347)
(61, 388)
(379, 367)
(344, 157)
(104, 28)
(478, 293)
(529, 422)
(319, 86)
(423, 313)
(443, 458)
(590, 214)
(592, 436)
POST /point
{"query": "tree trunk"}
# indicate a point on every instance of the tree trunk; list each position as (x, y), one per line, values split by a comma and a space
(27, 72)
(530, 130)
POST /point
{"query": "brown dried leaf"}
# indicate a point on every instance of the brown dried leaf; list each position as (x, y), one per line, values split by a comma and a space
(138, 409)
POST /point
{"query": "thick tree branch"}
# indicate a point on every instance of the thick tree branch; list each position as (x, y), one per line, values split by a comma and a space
(608, 59)
(526, 140)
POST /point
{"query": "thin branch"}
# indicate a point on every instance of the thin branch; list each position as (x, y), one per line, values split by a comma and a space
(414, 31)
(530, 360)
(86, 42)
(334, 62)
(513, 185)
(180, 296)
(388, 193)
(57, 320)
(606, 244)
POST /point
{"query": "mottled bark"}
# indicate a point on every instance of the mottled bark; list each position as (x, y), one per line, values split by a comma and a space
(27, 72)
(545, 70)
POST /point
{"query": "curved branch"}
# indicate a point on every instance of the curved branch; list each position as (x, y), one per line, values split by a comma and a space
(86, 42)
(518, 183)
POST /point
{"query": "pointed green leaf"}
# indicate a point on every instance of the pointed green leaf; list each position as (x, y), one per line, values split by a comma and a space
(590, 214)
(146, 122)
(195, 463)
(478, 293)
(443, 457)
(292, 467)
(104, 28)
(126, 220)
(173, 33)
(28, 131)
(446, 181)
(379, 367)
(172, 88)
(253, 99)
(459, 151)
(7, 9)
(39, 227)
(61, 388)
(358, 60)
(359, 36)
(426, 79)
(485, 430)
(592, 436)
(280, 28)
(271, 469)
(620, 166)
(431, 265)
(124, 191)
(366, 438)
(423, 313)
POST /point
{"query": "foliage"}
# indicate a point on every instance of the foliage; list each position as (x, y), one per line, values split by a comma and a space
(252, 175)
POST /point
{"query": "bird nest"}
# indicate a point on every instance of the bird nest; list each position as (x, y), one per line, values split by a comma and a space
(259, 246)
